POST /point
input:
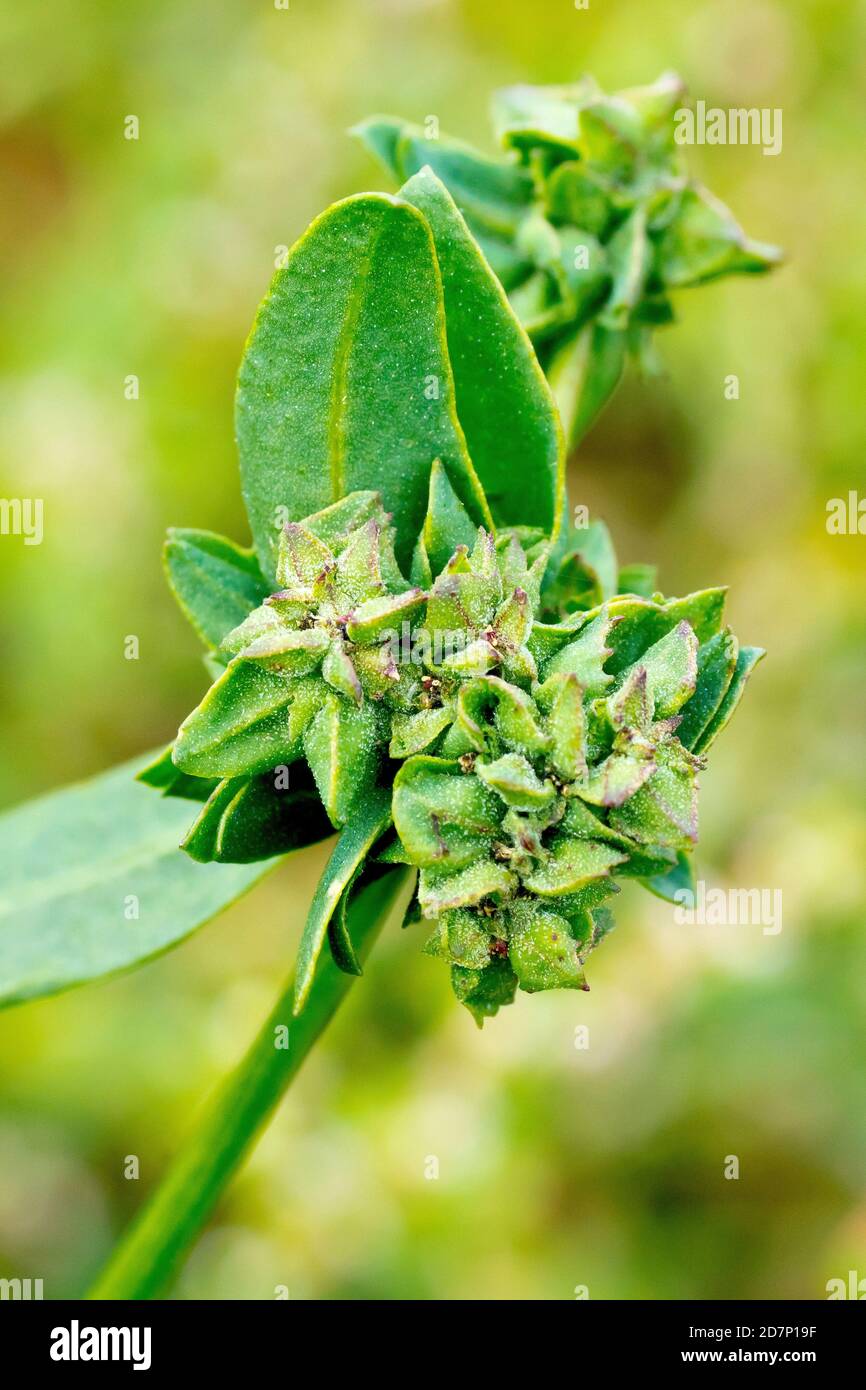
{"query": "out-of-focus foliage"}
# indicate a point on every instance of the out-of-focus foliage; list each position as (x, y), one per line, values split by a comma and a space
(558, 1165)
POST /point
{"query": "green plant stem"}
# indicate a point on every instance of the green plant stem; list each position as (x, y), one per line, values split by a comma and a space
(153, 1247)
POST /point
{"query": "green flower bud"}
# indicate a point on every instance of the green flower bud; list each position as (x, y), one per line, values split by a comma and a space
(590, 222)
(529, 789)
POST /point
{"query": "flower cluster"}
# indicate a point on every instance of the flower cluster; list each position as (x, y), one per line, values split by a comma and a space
(571, 760)
(310, 672)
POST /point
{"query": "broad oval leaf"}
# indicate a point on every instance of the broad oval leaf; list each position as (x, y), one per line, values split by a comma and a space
(543, 952)
(444, 819)
(346, 383)
(79, 862)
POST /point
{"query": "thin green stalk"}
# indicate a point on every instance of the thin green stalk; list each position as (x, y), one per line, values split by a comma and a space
(151, 1250)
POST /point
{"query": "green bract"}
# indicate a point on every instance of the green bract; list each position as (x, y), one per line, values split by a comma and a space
(416, 650)
(590, 223)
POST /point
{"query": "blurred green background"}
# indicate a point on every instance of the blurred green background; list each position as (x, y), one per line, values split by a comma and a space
(558, 1166)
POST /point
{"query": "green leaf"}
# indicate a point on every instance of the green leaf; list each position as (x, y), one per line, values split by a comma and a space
(618, 777)
(629, 256)
(585, 657)
(575, 197)
(340, 674)
(533, 303)
(336, 523)
(381, 135)
(512, 624)
(440, 890)
(485, 992)
(665, 809)
(241, 726)
(638, 623)
(584, 371)
(461, 938)
(302, 557)
(346, 382)
(702, 610)
(503, 400)
(261, 821)
(248, 819)
(216, 583)
(570, 865)
(656, 102)
(609, 137)
(342, 948)
(583, 823)
(441, 815)
(515, 779)
(447, 523)
(543, 953)
(505, 259)
(78, 865)
(704, 241)
(594, 546)
(672, 885)
(288, 651)
(525, 116)
(587, 572)
(717, 661)
(638, 579)
(201, 838)
(163, 775)
(671, 666)
(343, 745)
(491, 196)
(630, 707)
(356, 840)
(514, 715)
(378, 616)
(358, 574)
(412, 733)
(567, 729)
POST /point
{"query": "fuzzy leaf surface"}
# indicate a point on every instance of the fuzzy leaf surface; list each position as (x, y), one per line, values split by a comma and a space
(335, 392)
(76, 861)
